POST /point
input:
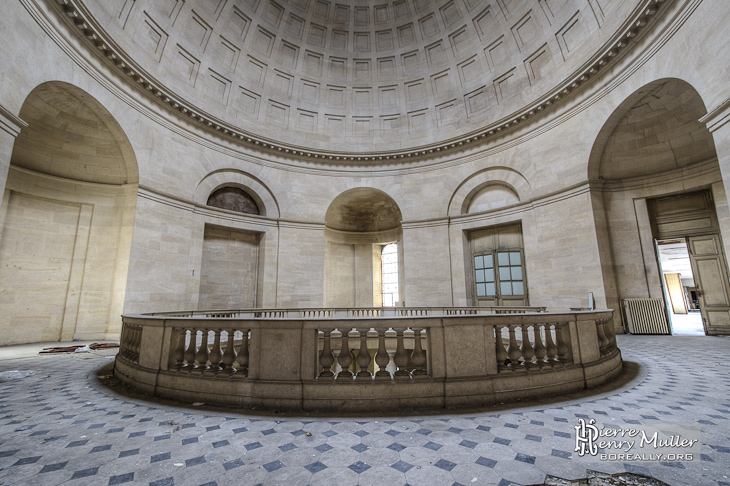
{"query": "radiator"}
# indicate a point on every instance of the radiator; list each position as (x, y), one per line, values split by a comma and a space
(646, 316)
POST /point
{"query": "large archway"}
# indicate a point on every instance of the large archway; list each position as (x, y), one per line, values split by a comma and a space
(359, 224)
(656, 167)
(66, 220)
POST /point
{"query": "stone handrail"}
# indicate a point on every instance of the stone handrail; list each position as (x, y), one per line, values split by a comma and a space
(339, 312)
(312, 359)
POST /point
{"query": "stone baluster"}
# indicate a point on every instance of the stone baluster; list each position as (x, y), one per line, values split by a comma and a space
(363, 356)
(560, 334)
(192, 349)
(215, 353)
(528, 352)
(418, 357)
(382, 358)
(202, 356)
(540, 349)
(401, 356)
(123, 346)
(500, 352)
(229, 355)
(243, 354)
(345, 357)
(128, 341)
(610, 334)
(602, 339)
(178, 355)
(124, 342)
(513, 350)
(326, 358)
(552, 349)
(137, 342)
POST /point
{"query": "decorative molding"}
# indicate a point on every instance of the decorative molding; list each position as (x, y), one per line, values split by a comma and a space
(86, 25)
(708, 169)
(10, 123)
(160, 197)
(718, 117)
(523, 206)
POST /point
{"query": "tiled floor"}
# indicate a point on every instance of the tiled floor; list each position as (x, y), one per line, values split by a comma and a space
(59, 425)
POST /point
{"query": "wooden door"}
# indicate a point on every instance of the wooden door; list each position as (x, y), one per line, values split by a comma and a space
(711, 279)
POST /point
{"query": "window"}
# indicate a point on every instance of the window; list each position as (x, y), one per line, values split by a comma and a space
(507, 277)
(389, 269)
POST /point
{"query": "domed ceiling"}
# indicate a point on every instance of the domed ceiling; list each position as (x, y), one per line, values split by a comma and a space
(359, 76)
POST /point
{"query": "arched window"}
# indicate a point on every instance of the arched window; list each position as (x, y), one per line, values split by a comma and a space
(233, 199)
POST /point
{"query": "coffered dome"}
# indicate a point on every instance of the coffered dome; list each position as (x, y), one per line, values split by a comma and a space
(361, 76)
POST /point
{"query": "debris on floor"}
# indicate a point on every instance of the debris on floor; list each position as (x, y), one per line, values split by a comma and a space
(78, 348)
(14, 375)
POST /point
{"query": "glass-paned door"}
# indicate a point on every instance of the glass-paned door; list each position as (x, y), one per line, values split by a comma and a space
(499, 278)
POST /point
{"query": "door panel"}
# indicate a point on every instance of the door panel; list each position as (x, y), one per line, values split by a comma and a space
(710, 272)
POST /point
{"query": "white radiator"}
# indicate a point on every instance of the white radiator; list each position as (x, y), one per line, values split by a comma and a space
(646, 316)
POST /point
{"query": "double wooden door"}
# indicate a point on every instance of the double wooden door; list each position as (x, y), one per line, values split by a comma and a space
(711, 281)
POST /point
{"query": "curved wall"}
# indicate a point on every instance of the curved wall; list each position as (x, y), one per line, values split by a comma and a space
(570, 230)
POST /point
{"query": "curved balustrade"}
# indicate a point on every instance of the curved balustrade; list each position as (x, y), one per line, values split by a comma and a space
(339, 312)
(318, 359)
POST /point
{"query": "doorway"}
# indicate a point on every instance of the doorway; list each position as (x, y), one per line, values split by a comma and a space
(687, 224)
(389, 274)
(679, 286)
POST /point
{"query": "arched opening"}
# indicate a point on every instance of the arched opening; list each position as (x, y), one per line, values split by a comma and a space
(657, 170)
(66, 221)
(229, 268)
(234, 199)
(359, 224)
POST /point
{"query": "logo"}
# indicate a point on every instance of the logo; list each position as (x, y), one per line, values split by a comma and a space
(586, 436)
(664, 442)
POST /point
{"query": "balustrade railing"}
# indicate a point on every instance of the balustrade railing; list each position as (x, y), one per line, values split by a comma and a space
(130, 342)
(342, 312)
(381, 353)
(328, 358)
(534, 347)
(193, 351)
(606, 335)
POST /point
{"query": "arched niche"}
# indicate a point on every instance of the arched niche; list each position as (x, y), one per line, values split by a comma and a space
(256, 189)
(654, 130)
(358, 224)
(491, 186)
(363, 210)
(72, 136)
(67, 213)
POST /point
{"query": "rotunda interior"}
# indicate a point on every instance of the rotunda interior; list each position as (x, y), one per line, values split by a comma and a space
(222, 154)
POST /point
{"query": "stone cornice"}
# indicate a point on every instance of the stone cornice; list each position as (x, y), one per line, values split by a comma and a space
(10, 123)
(522, 206)
(700, 170)
(718, 117)
(95, 35)
(204, 210)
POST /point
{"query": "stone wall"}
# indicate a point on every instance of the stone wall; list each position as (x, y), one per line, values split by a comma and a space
(581, 234)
